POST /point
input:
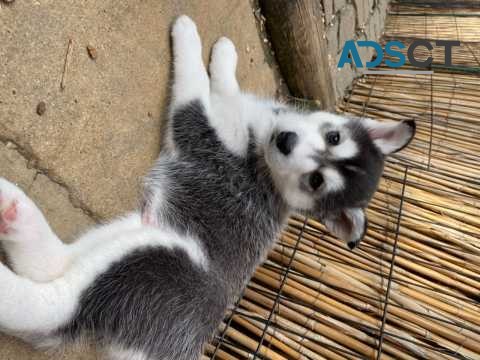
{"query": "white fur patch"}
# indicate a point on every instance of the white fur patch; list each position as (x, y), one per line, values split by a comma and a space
(346, 149)
(333, 179)
(119, 353)
(233, 116)
(297, 198)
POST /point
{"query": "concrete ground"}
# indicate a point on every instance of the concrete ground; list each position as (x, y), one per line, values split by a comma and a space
(81, 161)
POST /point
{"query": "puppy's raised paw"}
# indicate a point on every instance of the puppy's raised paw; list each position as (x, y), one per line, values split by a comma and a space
(18, 214)
(184, 26)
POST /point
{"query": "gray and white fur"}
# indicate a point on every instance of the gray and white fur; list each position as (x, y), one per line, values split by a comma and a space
(156, 283)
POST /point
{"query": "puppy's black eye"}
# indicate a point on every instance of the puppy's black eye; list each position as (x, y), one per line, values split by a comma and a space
(315, 180)
(333, 137)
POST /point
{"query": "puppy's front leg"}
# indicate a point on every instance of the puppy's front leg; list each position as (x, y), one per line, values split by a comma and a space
(190, 79)
(223, 65)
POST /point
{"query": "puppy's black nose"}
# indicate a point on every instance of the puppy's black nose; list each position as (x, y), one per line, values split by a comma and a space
(286, 141)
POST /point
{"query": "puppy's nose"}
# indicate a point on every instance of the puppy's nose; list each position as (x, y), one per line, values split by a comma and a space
(286, 141)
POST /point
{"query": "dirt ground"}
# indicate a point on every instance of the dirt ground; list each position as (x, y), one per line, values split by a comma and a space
(82, 159)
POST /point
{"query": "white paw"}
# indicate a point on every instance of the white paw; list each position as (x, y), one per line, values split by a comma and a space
(184, 27)
(224, 54)
(187, 46)
(16, 211)
(225, 48)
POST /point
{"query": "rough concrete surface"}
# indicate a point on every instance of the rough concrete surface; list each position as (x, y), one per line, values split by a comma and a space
(82, 159)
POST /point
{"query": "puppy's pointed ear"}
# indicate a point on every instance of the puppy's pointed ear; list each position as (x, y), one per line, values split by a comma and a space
(349, 225)
(390, 136)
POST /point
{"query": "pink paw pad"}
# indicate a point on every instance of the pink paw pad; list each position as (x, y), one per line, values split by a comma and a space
(8, 215)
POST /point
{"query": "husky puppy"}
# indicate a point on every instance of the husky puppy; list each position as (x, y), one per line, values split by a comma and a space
(156, 283)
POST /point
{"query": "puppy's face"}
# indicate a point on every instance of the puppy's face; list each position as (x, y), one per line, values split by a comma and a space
(329, 166)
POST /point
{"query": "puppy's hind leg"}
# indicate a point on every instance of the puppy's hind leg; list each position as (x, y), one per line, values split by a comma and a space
(223, 65)
(33, 249)
(33, 310)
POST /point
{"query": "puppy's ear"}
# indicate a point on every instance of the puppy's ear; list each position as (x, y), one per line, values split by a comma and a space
(349, 225)
(390, 136)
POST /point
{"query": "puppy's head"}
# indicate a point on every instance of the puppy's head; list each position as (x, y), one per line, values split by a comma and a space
(329, 166)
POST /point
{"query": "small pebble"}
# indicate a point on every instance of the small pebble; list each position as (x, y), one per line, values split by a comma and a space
(92, 52)
(11, 145)
(41, 108)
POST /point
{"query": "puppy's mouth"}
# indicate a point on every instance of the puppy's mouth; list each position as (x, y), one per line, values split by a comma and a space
(272, 138)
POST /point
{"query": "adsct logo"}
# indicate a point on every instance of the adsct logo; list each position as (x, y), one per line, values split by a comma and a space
(350, 55)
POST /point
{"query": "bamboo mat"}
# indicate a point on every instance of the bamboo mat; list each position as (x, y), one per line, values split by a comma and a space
(412, 288)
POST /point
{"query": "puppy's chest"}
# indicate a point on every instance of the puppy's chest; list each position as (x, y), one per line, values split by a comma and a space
(220, 181)
(220, 193)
